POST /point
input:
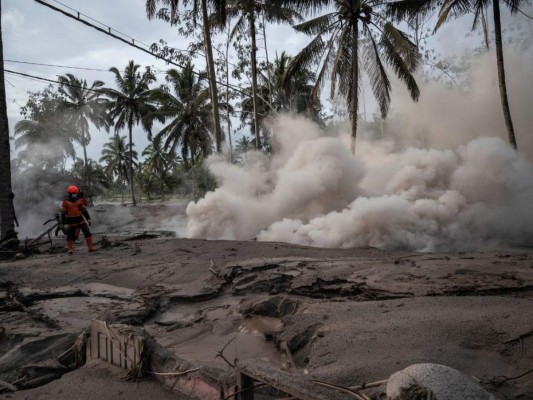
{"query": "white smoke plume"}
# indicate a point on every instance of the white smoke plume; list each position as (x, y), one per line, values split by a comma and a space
(467, 189)
(481, 194)
(309, 175)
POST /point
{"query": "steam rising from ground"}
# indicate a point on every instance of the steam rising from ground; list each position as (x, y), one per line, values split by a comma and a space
(467, 193)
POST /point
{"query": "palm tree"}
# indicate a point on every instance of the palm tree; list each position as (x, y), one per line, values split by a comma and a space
(117, 159)
(186, 105)
(457, 8)
(47, 137)
(156, 170)
(93, 174)
(85, 104)
(339, 34)
(243, 146)
(157, 160)
(219, 7)
(284, 94)
(246, 12)
(129, 104)
(7, 220)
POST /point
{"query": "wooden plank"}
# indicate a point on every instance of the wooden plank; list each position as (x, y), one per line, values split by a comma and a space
(245, 386)
(293, 384)
(109, 344)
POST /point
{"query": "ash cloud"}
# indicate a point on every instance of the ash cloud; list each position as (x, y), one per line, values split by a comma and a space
(464, 188)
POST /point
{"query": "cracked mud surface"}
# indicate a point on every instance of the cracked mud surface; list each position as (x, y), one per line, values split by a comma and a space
(347, 316)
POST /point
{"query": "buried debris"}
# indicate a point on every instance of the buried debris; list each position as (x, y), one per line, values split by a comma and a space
(296, 385)
(442, 382)
(134, 350)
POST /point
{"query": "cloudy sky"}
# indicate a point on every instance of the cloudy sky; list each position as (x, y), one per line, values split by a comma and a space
(36, 34)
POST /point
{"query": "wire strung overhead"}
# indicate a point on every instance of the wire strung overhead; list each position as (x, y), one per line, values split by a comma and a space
(102, 91)
(130, 41)
(67, 66)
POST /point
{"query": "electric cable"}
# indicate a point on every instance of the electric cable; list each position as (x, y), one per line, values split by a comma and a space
(132, 43)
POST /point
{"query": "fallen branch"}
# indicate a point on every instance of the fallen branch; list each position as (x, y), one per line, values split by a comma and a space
(213, 271)
(77, 352)
(221, 353)
(369, 385)
(8, 386)
(283, 346)
(342, 389)
(519, 337)
(36, 315)
(500, 380)
(173, 373)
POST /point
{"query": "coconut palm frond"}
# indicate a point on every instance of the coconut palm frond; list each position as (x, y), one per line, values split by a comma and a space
(452, 8)
(308, 56)
(377, 74)
(239, 27)
(318, 25)
(515, 5)
(395, 59)
(342, 59)
(479, 6)
(403, 46)
(406, 9)
(285, 14)
(309, 7)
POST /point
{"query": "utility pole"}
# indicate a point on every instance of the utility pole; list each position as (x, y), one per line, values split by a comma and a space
(7, 217)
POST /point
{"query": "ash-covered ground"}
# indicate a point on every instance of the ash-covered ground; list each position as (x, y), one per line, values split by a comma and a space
(348, 316)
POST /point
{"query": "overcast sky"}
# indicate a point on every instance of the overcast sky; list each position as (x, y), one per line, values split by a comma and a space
(37, 34)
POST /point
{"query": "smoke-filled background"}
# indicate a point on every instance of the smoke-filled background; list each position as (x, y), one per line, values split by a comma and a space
(443, 178)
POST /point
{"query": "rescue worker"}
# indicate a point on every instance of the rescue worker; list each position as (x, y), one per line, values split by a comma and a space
(72, 212)
(83, 200)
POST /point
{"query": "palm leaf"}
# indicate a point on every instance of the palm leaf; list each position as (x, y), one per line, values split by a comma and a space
(455, 8)
(406, 9)
(377, 74)
(401, 43)
(309, 55)
(318, 25)
(395, 59)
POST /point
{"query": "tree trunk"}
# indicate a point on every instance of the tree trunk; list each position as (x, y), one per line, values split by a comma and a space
(7, 217)
(501, 73)
(251, 21)
(212, 77)
(485, 27)
(268, 65)
(134, 202)
(86, 163)
(227, 95)
(355, 85)
(193, 166)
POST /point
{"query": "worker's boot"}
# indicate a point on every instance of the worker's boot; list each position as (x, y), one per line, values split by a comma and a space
(90, 245)
(70, 246)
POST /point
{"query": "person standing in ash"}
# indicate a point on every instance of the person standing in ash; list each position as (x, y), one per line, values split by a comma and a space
(83, 200)
(72, 212)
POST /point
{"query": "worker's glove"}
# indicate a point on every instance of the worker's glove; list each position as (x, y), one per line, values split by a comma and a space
(66, 227)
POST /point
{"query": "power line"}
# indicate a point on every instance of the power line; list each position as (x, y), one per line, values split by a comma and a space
(38, 78)
(69, 66)
(109, 31)
(98, 22)
(41, 79)
(57, 66)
